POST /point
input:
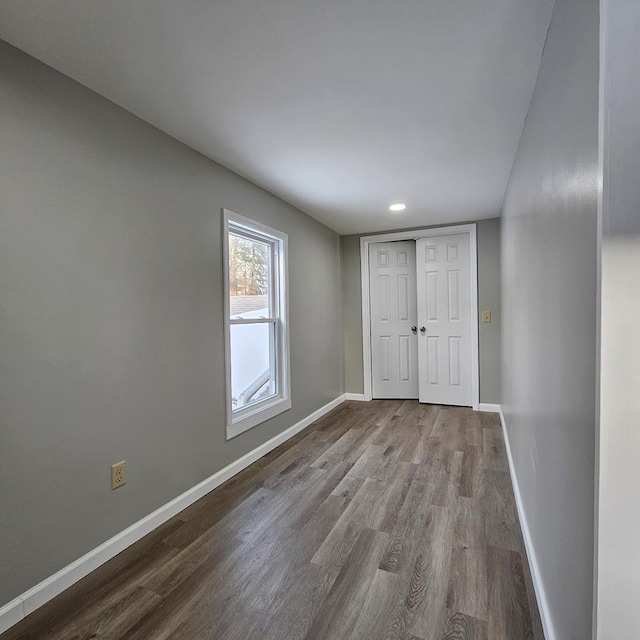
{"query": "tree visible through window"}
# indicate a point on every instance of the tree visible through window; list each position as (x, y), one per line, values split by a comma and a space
(248, 267)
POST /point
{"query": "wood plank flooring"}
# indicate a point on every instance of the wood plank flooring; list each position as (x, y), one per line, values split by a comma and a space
(383, 520)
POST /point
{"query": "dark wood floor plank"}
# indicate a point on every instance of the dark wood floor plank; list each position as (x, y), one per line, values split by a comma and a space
(216, 543)
(215, 586)
(239, 622)
(433, 559)
(406, 407)
(378, 607)
(368, 433)
(446, 480)
(291, 551)
(494, 452)
(337, 546)
(299, 507)
(175, 608)
(509, 617)
(435, 456)
(473, 429)
(176, 570)
(315, 530)
(307, 452)
(387, 410)
(450, 428)
(467, 592)
(384, 519)
(335, 415)
(428, 415)
(489, 420)
(297, 602)
(423, 580)
(341, 610)
(273, 561)
(426, 421)
(408, 526)
(348, 486)
(387, 510)
(414, 432)
(338, 449)
(472, 476)
(368, 462)
(289, 505)
(114, 617)
(113, 620)
(380, 463)
(502, 527)
(457, 626)
(202, 518)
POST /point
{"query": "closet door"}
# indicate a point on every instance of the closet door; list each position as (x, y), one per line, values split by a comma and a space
(444, 320)
(394, 348)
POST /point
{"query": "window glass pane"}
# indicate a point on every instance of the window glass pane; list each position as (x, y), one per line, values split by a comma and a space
(249, 277)
(253, 369)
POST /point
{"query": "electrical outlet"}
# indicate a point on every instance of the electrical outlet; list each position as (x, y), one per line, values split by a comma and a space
(486, 316)
(118, 474)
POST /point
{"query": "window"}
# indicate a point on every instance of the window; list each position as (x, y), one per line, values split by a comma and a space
(256, 327)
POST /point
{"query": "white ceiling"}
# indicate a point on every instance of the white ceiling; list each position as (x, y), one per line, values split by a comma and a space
(340, 107)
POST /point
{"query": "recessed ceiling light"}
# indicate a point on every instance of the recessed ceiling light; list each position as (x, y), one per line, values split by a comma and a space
(398, 207)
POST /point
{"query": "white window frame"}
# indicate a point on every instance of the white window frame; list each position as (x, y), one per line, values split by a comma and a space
(254, 414)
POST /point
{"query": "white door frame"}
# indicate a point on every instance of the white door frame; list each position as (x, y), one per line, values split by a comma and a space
(365, 241)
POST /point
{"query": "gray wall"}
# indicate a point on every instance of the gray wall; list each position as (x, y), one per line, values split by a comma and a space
(488, 300)
(619, 517)
(352, 314)
(111, 329)
(549, 275)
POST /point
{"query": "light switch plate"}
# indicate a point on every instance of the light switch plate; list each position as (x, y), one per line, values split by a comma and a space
(486, 316)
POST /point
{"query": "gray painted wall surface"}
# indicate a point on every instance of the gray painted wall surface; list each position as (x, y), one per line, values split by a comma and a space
(619, 486)
(352, 313)
(488, 299)
(111, 318)
(549, 274)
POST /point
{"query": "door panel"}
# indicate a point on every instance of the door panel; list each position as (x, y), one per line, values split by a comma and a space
(394, 346)
(444, 310)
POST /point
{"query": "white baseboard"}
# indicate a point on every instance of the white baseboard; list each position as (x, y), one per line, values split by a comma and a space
(11, 614)
(541, 597)
(48, 589)
(489, 408)
(359, 397)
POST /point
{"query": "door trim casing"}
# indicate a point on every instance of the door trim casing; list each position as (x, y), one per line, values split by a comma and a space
(416, 234)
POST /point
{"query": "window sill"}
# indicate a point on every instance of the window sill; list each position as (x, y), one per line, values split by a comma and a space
(261, 413)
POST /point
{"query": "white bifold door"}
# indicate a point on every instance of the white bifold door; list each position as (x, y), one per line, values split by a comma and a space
(444, 313)
(394, 341)
(421, 320)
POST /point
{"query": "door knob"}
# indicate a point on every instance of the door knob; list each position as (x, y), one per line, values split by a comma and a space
(414, 328)
(423, 329)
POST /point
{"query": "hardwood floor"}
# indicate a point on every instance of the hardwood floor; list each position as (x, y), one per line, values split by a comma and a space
(386, 519)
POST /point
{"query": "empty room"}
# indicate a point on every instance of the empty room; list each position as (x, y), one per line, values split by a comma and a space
(319, 320)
